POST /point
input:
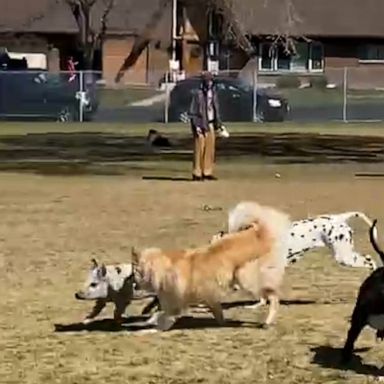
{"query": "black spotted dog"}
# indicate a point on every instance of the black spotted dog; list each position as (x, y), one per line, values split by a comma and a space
(331, 231)
(369, 308)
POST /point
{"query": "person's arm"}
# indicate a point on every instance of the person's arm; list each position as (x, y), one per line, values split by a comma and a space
(218, 122)
(194, 113)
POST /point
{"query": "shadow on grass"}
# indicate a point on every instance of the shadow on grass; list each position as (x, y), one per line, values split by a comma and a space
(137, 323)
(329, 357)
(87, 153)
(168, 178)
(244, 303)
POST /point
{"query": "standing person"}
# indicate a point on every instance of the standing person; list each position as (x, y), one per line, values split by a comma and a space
(205, 120)
(71, 68)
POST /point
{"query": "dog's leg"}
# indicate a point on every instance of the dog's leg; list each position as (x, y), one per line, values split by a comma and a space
(355, 260)
(261, 303)
(119, 311)
(274, 304)
(165, 322)
(98, 307)
(154, 319)
(343, 249)
(357, 324)
(217, 312)
(151, 305)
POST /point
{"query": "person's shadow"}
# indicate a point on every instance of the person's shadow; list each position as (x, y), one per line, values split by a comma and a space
(327, 356)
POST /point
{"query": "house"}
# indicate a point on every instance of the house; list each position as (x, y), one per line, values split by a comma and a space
(48, 27)
(329, 35)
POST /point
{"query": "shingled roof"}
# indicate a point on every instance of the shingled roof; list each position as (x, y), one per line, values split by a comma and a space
(328, 18)
(54, 16)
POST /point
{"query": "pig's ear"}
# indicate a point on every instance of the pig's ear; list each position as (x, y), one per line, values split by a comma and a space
(103, 270)
(94, 264)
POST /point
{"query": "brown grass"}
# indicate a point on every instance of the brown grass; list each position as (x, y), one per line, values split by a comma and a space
(50, 227)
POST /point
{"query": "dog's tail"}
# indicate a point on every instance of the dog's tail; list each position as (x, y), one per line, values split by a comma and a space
(276, 222)
(245, 213)
(373, 239)
(348, 215)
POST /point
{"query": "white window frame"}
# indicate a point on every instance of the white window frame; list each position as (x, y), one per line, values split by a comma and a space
(372, 61)
(274, 60)
(310, 66)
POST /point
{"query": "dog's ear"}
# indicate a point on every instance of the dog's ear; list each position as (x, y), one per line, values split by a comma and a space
(94, 264)
(102, 270)
(135, 254)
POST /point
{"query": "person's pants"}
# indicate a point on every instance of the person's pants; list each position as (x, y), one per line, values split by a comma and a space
(204, 153)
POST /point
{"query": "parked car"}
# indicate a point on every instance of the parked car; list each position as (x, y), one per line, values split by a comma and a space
(235, 98)
(44, 95)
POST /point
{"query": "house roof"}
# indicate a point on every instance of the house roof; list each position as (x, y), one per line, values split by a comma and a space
(54, 16)
(343, 18)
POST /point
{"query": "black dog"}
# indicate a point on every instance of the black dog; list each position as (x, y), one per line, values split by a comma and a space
(156, 139)
(369, 308)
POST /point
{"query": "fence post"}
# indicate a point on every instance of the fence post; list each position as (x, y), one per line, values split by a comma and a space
(166, 104)
(345, 90)
(254, 99)
(81, 81)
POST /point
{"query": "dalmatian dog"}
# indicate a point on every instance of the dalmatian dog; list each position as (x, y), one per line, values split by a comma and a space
(331, 231)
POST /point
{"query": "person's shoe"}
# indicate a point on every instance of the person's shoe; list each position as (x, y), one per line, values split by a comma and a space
(196, 178)
(209, 177)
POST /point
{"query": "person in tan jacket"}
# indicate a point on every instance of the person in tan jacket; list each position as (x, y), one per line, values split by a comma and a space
(205, 121)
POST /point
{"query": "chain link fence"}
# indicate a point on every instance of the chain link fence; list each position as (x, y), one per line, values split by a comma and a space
(345, 94)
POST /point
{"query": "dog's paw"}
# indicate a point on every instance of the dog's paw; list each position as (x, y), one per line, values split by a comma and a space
(153, 320)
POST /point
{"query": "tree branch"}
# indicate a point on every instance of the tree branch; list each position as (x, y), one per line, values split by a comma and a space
(108, 6)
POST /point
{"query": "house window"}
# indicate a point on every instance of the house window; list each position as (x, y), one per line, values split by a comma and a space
(308, 57)
(372, 52)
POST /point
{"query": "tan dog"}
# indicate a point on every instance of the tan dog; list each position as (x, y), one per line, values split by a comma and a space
(204, 275)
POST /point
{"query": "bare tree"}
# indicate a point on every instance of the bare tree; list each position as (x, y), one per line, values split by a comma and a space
(232, 29)
(91, 34)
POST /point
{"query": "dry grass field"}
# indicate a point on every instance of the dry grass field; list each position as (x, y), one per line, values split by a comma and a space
(51, 227)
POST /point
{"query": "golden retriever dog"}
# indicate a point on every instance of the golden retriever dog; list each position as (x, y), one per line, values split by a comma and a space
(203, 275)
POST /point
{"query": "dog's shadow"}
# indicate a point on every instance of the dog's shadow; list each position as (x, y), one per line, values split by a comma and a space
(330, 357)
(102, 325)
(244, 303)
(137, 323)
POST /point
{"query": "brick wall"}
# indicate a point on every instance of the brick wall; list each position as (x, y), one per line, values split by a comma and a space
(115, 50)
(148, 69)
